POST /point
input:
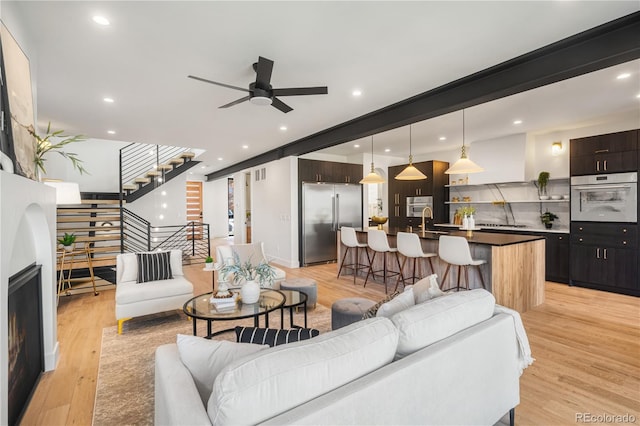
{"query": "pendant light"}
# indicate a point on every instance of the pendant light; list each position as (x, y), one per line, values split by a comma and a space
(410, 172)
(372, 177)
(463, 165)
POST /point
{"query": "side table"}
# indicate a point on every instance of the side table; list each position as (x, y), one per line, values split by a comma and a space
(67, 260)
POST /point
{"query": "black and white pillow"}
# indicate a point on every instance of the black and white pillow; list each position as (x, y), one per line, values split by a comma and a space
(154, 266)
(272, 336)
(372, 311)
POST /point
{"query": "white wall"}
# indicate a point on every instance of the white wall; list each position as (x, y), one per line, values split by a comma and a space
(165, 205)
(214, 207)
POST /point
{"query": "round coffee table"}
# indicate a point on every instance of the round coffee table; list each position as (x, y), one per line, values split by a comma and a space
(199, 308)
(293, 299)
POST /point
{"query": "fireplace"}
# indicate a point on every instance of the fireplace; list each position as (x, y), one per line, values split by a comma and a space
(26, 355)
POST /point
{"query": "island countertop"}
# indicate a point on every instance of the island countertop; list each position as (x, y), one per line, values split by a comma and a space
(486, 238)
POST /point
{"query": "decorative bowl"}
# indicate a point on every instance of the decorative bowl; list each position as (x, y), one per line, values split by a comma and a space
(380, 220)
(556, 197)
(544, 197)
(565, 196)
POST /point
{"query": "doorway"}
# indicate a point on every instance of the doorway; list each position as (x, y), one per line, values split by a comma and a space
(194, 209)
(230, 206)
(247, 205)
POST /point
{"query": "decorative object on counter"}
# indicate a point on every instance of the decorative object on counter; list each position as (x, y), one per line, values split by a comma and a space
(208, 263)
(468, 221)
(410, 172)
(372, 177)
(463, 165)
(556, 197)
(543, 180)
(457, 217)
(67, 241)
(379, 220)
(254, 276)
(547, 218)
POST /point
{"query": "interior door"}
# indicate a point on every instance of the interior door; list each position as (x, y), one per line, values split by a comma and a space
(194, 209)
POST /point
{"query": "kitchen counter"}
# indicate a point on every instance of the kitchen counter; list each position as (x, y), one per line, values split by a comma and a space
(514, 272)
(509, 228)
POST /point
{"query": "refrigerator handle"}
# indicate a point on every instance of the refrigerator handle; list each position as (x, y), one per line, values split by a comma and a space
(333, 213)
(337, 216)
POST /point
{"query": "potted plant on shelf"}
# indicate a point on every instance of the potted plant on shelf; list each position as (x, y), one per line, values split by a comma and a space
(254, 277)
(543, 180)
(208, 263)
(67, 241)
(547, 218)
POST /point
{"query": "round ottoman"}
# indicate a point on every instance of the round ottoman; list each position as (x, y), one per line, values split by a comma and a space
(349, 310)
(303, 285)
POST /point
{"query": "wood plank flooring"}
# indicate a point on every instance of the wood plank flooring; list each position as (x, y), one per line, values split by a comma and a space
(586, 344)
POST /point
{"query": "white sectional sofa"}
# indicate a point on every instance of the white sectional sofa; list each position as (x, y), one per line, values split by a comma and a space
(135, 299)
(450, 360)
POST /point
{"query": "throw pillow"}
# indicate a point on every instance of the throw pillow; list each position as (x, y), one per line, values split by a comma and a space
(272, 336)
(399, 303)
(372, 311)
(426, 289)
(206, 358)
(154, 266)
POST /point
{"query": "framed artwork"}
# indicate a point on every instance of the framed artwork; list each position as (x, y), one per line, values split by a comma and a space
(20, 105)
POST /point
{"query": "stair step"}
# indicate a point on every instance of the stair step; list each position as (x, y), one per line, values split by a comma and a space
(65, 210)
(130, 187)
(71, 219)
(176, 161)
(141, 180)
(165, 167)
(187, 154)
(154, 173)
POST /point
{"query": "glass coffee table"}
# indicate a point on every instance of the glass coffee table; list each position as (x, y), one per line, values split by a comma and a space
(293, 299)
(200, 308)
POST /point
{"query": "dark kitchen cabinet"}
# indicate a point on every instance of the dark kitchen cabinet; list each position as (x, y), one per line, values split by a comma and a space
(328, 171)
(609, 153)
(433, 186)
(605, 256)
(557, 257)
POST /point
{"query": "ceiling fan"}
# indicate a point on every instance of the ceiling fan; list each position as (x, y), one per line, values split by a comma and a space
(262, 93)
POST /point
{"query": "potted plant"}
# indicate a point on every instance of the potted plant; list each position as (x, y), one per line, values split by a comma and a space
(547, 218)
(67, 241)
(254, 276)
(208, 263)
(543, 180)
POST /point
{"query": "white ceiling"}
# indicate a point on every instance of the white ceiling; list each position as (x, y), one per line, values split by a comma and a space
(389, 50)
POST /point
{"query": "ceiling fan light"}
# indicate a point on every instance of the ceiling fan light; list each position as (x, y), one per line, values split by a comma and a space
(260, 100)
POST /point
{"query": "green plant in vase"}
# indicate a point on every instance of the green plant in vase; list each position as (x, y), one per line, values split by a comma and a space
(543, 180)
(547, 218)
(67, 241)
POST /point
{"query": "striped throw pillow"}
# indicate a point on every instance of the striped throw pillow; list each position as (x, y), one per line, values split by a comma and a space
(272, 336)
(154, 266)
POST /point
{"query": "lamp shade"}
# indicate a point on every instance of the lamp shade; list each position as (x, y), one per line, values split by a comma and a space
(372, 177)
(463, 165)
(411, 173)
(66, 192)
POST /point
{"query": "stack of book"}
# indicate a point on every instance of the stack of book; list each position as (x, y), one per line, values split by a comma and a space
(224, 303)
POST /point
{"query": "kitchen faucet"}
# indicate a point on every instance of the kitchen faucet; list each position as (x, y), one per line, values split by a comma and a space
(430, 217)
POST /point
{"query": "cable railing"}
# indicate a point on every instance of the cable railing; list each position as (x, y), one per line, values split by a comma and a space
(138, 159)
(137, 234)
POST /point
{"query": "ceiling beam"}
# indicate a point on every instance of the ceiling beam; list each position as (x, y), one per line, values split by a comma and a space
(601, 47)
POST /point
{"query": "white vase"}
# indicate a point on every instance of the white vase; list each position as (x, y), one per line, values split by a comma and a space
(250, 292)
(465, 222)
(208, 266)
(471, 222)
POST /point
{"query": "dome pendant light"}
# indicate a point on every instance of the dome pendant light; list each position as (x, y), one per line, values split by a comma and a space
(410, 172)
(372, 177)
(463, 165)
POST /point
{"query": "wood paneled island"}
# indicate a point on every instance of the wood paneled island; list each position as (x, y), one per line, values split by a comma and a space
(514, 272)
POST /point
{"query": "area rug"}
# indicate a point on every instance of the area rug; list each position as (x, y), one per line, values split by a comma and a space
(124, 393)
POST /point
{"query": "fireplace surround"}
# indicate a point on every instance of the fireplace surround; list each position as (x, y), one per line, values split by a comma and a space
(27, 229)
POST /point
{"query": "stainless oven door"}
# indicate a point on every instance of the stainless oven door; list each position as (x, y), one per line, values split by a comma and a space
(415, 205)
(605, 198)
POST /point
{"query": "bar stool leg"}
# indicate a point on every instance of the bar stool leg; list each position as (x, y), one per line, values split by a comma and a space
(400, 269)
(384, 271)
(446, 272)
(343, 259)
(356, 264)
(481, 279)
(459, 276)
(370, 269)
(398, 280)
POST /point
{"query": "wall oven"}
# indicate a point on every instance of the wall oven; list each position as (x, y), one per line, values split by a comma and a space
(416, 204)
(605, 198)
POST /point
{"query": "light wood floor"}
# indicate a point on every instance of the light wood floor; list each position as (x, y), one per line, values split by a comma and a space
(586, 344)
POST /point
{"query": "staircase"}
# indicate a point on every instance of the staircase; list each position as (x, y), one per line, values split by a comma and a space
(145, 167)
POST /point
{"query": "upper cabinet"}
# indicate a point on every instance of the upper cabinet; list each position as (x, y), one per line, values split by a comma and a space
(328, 171)
(610, 153)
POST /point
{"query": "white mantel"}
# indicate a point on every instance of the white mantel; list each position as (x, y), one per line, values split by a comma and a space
(27, 235)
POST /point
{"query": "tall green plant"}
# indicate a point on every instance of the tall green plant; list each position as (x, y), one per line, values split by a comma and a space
(543, 180)
(45, 145)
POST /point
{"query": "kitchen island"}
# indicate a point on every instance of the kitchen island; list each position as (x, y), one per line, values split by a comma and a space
(514, 273)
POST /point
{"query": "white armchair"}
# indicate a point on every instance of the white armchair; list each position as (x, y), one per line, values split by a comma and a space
(253, 252)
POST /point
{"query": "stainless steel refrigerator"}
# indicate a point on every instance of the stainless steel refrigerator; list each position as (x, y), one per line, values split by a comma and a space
(325, 208)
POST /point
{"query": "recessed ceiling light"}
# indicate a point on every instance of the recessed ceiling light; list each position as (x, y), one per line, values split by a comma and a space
(623, 76)
(161, 217)
(638, 95)
(163, 193)
(203, 167)
(219, 158)
(517, 122)
(387, 150)
(111, 132)
(357, 92)
(356, 146)
(159, 179)
(443, 138)
(108, 100)
(100, 20)
(245, 146)
(283, 128)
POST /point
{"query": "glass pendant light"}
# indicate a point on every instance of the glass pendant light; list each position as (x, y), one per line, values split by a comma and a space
(410, 172)
(372, 177)
(463, 165)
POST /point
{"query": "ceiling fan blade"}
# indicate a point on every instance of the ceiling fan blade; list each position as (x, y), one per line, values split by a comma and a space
(301, 91)
(263, 72)
(218, 84)
(281, 105)
(237, 101)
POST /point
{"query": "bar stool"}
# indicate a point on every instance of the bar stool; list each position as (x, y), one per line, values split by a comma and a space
(348, 238)
(377, 241)
(409, 246)
(455, 251)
